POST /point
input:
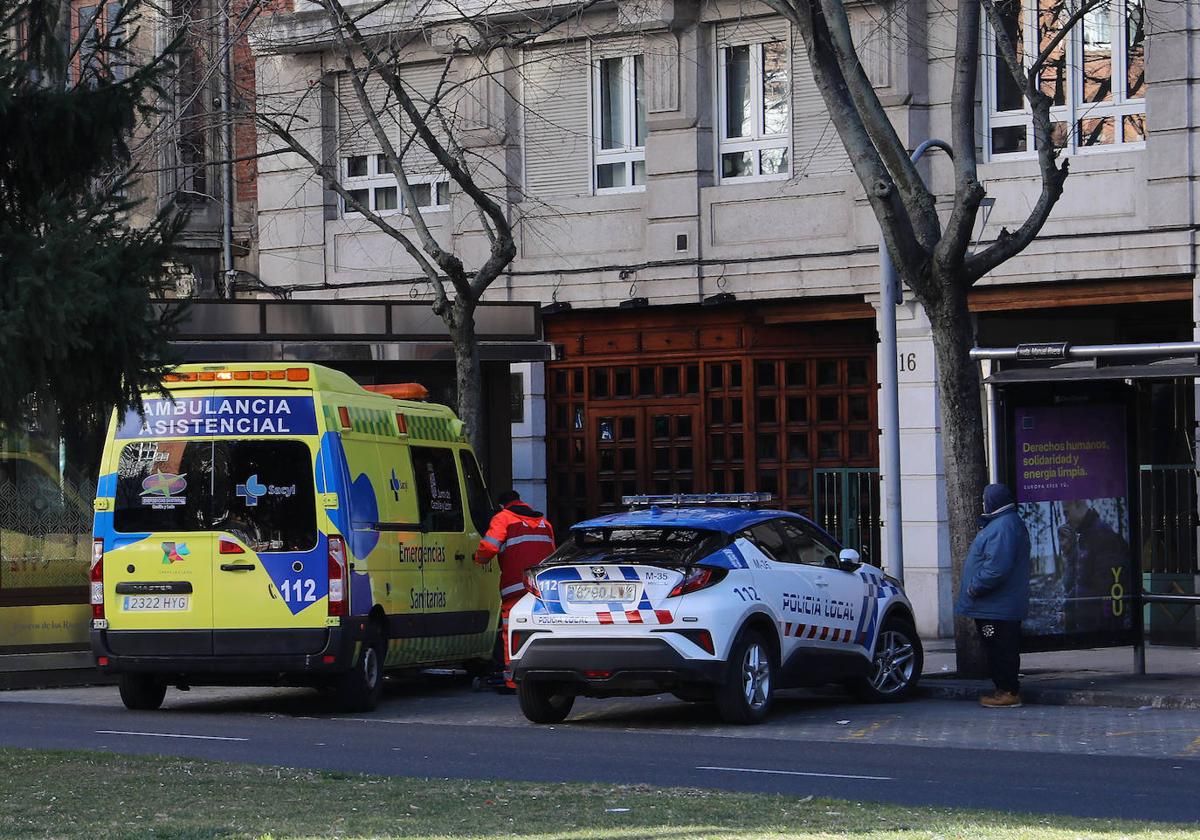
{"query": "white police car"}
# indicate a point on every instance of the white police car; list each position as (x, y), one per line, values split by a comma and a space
(710, 603)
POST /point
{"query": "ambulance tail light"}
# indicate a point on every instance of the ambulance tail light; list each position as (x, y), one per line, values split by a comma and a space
(530, 581)
(697, 577)
(338, 602)
(97, 578)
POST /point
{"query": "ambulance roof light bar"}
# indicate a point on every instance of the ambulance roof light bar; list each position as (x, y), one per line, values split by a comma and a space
(697, 500)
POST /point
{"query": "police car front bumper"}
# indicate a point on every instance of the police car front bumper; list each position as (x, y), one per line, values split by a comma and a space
(200, 656)
(599, 667)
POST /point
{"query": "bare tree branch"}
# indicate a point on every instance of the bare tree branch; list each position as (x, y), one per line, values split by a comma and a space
(968, 192)
(449, 263)
(330, 178)
(894, 220)
(460, 175)
(916, 196)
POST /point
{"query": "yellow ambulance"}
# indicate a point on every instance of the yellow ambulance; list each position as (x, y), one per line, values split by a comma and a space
(279, 524)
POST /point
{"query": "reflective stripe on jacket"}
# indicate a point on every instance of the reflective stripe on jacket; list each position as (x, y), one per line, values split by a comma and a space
(522, 537)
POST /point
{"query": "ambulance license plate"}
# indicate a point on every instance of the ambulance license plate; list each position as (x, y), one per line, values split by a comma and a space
(600, 593)
(155, 603)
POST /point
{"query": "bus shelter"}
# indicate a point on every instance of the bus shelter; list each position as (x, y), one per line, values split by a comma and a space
(1098, 443)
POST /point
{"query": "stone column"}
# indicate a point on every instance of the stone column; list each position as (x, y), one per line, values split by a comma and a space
(529, 437)
(926, 527)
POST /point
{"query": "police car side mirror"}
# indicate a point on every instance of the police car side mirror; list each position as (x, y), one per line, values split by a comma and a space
(849, 559)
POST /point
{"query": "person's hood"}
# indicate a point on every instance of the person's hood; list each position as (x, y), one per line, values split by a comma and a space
(522, 509)
(996, 497)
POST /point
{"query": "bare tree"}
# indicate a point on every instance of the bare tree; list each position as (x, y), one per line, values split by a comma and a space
(410, 126)
(934, 258)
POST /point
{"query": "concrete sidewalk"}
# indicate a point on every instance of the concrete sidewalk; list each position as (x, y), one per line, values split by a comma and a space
(1094, 677)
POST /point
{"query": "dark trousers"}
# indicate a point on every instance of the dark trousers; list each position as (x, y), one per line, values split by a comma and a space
(1002, 644)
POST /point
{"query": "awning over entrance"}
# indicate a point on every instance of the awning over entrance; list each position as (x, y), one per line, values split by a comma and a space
(317, 331)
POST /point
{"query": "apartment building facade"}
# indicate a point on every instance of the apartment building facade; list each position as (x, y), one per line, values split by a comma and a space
(707, 260)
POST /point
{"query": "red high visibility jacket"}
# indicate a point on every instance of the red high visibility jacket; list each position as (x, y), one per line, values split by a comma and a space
(522, 537)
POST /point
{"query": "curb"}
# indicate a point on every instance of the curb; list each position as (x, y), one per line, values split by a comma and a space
(955, 689)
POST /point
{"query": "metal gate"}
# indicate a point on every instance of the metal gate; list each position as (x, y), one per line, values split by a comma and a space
(1167, 517)
(846, 504)
(1168, 513)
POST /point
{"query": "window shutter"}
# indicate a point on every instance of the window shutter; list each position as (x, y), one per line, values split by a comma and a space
(816, 147)
(355, 135)
(557, 145)
(617, 46)
(422, 83)
(735, 33)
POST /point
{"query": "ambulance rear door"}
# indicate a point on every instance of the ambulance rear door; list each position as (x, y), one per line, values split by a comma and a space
(158, 555)
(270, 562)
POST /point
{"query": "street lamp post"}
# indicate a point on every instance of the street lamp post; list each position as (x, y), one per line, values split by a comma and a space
(889, 405)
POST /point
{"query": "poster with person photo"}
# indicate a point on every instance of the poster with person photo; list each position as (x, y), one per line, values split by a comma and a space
(1072, 490)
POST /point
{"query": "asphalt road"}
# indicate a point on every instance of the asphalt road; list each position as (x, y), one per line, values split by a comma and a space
(1086, 762)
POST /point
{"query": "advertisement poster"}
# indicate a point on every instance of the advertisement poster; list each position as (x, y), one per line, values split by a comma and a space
(1072, 489)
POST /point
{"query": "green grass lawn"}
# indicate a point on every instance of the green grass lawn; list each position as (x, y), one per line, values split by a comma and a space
(100, 795)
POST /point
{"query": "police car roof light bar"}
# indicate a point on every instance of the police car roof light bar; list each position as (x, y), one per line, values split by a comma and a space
(697, 499)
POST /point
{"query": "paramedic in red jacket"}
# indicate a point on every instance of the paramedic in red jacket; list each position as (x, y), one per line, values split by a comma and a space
(521, 537)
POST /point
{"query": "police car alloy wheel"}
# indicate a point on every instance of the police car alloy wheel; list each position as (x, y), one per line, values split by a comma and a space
(897, 665)
(746, 696)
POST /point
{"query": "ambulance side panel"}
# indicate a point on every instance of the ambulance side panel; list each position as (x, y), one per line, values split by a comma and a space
(400, 527)
(457, 593)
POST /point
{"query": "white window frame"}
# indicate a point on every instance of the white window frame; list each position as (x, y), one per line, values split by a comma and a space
(758, 141)
(378, 178)
(1075, 109)
(629, 152)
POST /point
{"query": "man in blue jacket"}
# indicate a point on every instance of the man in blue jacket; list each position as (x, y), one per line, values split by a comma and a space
(995, 591)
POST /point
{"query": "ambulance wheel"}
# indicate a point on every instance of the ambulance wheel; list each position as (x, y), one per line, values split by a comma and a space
(745, 696)
(360, 688)
(142, 692)
(896, 667)
(541, 702)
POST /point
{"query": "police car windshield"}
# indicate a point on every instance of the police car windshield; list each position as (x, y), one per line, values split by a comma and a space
(651, 545)
(259, 491)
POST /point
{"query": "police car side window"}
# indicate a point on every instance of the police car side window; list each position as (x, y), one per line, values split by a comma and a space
(770, 542)
(478, 499)
(439, 499)
(809, 546)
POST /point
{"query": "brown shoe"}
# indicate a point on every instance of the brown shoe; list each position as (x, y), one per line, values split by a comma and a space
(1001, 700)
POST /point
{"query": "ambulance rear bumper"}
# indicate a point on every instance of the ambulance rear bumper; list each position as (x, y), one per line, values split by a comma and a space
(198, 656)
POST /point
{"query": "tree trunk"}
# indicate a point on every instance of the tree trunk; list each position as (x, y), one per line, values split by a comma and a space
(468, 380)
(962, 446)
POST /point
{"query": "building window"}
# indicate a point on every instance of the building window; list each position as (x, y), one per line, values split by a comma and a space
(96, 26)
(620, 117)
(1096, 78)
(755, 127)
(370, 180)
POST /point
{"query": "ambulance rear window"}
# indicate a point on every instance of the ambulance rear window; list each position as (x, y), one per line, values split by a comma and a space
(259, 491)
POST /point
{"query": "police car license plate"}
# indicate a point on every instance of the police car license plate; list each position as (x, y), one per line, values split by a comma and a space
(155, 603)
(600, 593)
